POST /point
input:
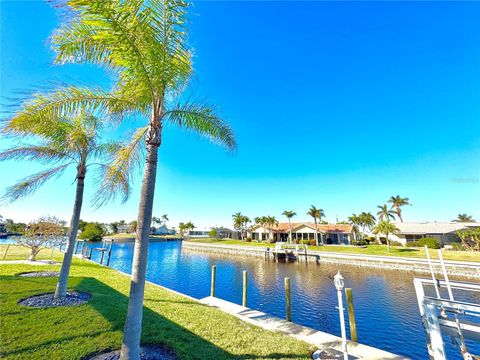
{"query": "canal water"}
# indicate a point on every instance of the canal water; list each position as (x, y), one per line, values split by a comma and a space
(385, 302)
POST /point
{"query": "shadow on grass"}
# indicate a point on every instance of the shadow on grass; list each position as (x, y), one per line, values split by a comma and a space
(65, 328)
(407, 250)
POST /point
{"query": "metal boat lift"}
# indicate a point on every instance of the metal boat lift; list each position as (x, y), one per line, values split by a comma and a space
(442, 316)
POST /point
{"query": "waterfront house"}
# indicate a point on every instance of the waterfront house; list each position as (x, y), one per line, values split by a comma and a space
(161, 230)
(444, 232)
(338, 234)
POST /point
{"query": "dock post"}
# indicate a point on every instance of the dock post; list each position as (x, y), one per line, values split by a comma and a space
(288, 304)
(244, 293)
(51, 254)
(90, 255)
(6, 251)
(214, 275)
(76, 247)
(101, 258)
(351, 315)
(109, 253)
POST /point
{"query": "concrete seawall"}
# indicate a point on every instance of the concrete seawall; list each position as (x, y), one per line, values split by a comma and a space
(454, 268)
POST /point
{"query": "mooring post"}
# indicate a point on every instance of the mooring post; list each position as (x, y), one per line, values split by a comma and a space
(109, 253)
(101, 258)
(244, 293)
(51, 254)
(212, 287)
(288, 304)
(6, 251)
(351, 315)
(76, 246)
(90, 255)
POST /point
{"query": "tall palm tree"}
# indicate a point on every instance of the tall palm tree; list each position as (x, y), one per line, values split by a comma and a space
(356, 221)
(289, 214)
(384, 213)
(144, 44)
(61, 142)
(397, 203)
(156, 221)
(386, 227)
(271, 222)
(464, 218)
(314, 213)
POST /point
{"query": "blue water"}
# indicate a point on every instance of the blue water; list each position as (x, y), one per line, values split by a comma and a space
(385, 302)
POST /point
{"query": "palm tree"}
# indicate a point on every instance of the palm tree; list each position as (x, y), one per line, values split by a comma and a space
(289, 214)
(356, 221)
(367, 220)
(271, 222)
(464, 218)
(315, 213)
(238, 222)
(386, 228)
(246, 220)
(384, 213)
(62, 142)
(397, 203)
(165, 219)
(144, 44)
(156, 221)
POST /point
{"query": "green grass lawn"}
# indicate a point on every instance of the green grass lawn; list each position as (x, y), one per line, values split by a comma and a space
(400, 251)
(16, 252)
(190, 329)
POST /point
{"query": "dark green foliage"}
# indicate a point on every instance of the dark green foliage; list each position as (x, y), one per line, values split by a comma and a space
(457, 246)
(430, 242)
(93, 232)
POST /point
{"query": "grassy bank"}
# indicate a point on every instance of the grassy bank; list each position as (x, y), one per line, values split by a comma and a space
(190, 329)
(379, 250)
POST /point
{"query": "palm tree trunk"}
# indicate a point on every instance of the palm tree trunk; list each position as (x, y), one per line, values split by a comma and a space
(399, 213)
(62, 284)
(290, 227)
(388, 244)
(316, 232)
(133, 324)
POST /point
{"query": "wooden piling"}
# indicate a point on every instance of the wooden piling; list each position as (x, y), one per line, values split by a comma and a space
(6, 251)
(351, 315)
(214, 275)
(244, 292)
(288, 304)
(76, 247)
(109, 252)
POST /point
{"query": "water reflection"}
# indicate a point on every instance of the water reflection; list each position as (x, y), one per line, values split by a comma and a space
(385, 303)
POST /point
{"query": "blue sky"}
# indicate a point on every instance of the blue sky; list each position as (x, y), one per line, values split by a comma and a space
(335, 104)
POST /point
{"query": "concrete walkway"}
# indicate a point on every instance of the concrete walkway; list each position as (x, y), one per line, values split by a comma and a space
(331, 343)
(27, 262)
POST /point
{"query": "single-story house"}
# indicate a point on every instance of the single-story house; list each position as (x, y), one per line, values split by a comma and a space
(225, 233)
(197, 232)
(327, 233)
(162, 230)
(444, 232)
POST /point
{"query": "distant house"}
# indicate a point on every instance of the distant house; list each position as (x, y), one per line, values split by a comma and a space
(162, 230)
(225, 233)
(444, 232)
(124, 228)
(197, 232)
(328, 233)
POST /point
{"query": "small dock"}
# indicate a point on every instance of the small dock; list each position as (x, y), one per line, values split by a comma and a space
(325, 341)
(289, 252)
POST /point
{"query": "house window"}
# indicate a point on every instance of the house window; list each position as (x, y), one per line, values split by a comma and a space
(413, 237)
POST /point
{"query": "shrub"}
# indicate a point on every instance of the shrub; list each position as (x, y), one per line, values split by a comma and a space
(312, 242)
(305, 242)
(430, 242)
(248, 239)
(470, 239)
(457, 246)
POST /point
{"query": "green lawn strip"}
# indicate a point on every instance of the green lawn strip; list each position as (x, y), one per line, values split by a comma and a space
(190, 329)
(17, 252)
(379, 250)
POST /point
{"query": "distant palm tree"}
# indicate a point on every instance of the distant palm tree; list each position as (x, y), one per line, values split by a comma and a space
(240, 223)
(397, 203)
(356, 221)
(165, 219)
(386, 228)
(62, 142)
(384, 213)
(271, 223)
(144, 44)
(464, 218)
(315, 213)
(156, 221)
(289, 215)
(367, 221)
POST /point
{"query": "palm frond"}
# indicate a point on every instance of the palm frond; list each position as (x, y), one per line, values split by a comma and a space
(125, 165)
(45, 154)
(203, 120)
(43, 111)
(31, 183)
